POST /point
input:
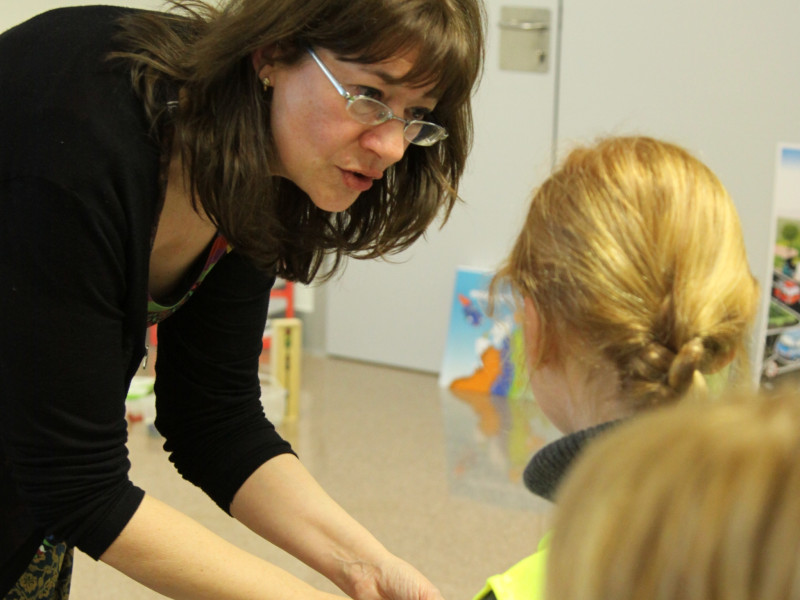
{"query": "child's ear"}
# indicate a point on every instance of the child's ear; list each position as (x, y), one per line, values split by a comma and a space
(532, 332)
(722, 361)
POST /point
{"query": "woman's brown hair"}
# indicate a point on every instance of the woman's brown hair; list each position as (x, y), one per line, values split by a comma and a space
(222, 124)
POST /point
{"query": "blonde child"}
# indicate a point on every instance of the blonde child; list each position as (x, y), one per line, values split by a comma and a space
(692, 502)
(635, 286)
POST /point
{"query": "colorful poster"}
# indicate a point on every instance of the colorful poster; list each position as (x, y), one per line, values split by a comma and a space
(482, 352)
(780, 362)
(492, 422)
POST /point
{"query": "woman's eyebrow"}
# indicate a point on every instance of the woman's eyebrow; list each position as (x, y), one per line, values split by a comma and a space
(390, 79)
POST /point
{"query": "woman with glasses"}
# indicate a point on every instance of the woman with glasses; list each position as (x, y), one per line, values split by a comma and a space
(165, 168)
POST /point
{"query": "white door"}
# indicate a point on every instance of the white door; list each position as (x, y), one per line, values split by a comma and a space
(397, 313)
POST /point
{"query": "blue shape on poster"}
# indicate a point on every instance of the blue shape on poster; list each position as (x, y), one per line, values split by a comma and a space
(471, 312)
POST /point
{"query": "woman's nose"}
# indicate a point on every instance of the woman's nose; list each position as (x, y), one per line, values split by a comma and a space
(387, 140)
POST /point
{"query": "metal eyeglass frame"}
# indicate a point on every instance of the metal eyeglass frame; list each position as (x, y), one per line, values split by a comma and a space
(412, 128)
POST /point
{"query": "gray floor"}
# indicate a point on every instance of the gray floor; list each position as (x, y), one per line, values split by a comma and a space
(415, 465)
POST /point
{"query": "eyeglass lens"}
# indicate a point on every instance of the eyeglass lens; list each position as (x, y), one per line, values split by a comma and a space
(372, 112)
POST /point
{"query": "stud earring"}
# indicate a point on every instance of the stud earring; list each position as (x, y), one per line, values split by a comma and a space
(265, 82)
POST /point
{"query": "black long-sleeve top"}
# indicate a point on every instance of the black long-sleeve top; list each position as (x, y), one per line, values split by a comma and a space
(79, 197)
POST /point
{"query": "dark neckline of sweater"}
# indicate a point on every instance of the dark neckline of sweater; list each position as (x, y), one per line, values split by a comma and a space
(547, 467)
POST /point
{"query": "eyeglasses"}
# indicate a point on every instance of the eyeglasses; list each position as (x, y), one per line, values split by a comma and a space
(369, 111)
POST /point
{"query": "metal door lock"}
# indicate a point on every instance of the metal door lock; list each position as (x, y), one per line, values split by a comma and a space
(524, 39)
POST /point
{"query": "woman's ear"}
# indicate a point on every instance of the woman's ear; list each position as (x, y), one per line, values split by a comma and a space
(262, 61)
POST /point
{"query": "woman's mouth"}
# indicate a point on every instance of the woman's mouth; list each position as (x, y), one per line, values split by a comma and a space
(357, 181)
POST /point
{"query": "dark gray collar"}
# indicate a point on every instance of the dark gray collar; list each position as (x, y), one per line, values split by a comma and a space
(548, 466)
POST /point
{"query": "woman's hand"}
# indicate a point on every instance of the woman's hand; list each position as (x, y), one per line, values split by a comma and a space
(395, 579)
(283, 503)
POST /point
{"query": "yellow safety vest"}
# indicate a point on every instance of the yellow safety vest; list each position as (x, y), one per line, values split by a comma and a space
(523, 581)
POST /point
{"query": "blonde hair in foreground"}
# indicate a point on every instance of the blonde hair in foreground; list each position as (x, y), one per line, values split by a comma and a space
(691, 502)
(633, 251)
